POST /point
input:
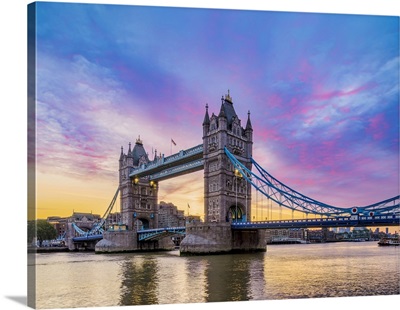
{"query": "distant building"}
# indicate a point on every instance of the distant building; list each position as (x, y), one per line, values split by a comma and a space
(293, 233)
(84, 217)
(82, 220)
(59, 223)
(170, 216)
(361, 233)
(113, 218)
(316, 235)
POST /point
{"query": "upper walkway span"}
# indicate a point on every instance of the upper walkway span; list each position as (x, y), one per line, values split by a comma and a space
(162, 168)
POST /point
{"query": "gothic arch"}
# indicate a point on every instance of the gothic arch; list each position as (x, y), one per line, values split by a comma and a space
(235, 213)
(142, 223)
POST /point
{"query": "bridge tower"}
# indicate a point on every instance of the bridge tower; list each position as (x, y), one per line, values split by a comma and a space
(227, 196)
(138, 197)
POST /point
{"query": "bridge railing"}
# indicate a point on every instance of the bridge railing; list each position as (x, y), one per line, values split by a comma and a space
(149, 234)
(353, 220)
(175, 170)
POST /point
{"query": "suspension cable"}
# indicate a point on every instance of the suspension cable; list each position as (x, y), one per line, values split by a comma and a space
(285, 196)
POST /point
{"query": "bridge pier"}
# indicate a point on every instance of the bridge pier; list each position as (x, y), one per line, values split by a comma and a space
(127, 241)
(219, 238)
(251, 240)
(117, 241)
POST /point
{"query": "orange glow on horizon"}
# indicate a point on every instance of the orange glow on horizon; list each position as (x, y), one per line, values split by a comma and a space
(58, 195)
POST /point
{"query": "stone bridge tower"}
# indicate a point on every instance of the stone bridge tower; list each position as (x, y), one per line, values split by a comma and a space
(138, 197)
(227, 196)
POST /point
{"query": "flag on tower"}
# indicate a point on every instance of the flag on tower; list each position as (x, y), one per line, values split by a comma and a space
(173, 141)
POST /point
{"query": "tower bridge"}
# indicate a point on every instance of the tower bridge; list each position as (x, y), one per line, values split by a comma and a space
(226, 157)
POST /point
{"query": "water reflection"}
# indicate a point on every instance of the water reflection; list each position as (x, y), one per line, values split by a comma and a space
(229, 278)
(284, 272)
(139, 280)
(166, 279)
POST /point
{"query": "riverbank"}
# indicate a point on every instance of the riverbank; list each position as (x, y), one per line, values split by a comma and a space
(47, 249)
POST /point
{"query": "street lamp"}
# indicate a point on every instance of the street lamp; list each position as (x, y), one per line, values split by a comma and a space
(153, 184)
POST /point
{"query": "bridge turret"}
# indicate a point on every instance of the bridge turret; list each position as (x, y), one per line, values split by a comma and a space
(206, 122)
(129, 157)
(222, 120)
(249, 135)
(122, 154)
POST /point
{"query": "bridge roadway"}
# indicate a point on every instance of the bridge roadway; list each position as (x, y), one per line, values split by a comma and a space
(352, 221)
(88, 238)
(345, 221)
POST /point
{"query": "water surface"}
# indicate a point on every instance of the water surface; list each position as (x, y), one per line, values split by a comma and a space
(283, 272)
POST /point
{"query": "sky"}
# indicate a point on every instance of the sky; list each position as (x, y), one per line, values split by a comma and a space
(322, 91)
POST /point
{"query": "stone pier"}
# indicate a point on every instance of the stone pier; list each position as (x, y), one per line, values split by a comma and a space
(219, 238)
(126, 241)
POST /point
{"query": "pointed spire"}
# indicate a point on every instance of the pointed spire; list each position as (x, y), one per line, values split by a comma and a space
(206, 117)
(248, 124)
(122, 153)
(222, 111)
(155, 154)
(129, 150)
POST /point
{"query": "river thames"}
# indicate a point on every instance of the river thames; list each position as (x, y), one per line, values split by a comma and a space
(86, 279)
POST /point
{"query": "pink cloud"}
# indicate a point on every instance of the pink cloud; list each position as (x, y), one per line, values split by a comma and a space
(377, 127)
(319, 95)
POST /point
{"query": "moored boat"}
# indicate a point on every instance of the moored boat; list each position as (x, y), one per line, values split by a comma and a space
(389, 241)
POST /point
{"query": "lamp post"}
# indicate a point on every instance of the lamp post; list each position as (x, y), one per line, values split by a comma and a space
(237, 175)
(246, 200)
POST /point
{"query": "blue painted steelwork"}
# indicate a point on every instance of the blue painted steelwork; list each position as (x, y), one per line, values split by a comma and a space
(178, 170)
(80, 231)
(88, 238)
(161, 164)
(287, 197)
(342, 221)
(98, 228)
(158, 233)
(61, 237)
